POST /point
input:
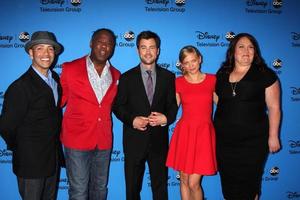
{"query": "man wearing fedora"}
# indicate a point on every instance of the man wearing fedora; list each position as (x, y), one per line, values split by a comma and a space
(31, 119)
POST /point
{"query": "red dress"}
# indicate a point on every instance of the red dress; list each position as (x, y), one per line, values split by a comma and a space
(192, 147)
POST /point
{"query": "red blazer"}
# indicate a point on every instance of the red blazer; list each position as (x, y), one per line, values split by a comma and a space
(86, 123)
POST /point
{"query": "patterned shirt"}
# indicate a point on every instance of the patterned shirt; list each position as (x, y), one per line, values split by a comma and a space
(100, 84)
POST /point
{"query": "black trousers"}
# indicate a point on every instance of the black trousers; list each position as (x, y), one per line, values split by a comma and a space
(134, 173)
(38, 189)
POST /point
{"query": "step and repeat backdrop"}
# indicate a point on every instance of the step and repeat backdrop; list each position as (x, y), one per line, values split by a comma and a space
(209, 25)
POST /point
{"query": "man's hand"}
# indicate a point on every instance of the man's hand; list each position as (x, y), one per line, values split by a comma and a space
(157, 119)
(140, 123)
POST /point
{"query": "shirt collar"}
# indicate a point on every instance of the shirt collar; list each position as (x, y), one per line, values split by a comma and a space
(49, 74)
(90, 64)
(143, 69)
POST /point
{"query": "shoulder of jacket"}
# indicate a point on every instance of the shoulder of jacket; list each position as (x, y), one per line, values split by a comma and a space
(164, 71)
(115, 70)
(75, 62)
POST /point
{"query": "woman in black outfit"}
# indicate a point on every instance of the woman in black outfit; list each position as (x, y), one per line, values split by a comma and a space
(247, 118)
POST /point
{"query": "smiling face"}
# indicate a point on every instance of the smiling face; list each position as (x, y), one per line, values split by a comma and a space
(244, 53)
(102, 46)
(191, 63)
(42, 56)
(148, 51)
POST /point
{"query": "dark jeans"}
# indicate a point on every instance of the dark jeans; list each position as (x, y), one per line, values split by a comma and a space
(38, 189)
(87, 172)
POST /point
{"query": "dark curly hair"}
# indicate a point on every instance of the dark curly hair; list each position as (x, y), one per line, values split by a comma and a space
(228, 65)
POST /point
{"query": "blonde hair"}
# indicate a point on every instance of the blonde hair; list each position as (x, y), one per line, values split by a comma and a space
(187, 50)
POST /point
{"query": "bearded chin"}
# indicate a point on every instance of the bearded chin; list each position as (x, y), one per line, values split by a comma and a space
(148, 62)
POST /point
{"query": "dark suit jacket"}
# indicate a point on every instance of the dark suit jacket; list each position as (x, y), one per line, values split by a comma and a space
(30, 125)
(132, 101)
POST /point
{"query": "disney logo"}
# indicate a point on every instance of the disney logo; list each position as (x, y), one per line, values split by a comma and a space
(206, 35)
(116, 152)
(4, 152)
(292, 195)
(58, 66)
(59, 2)
(294, 144)
(256, 3)
(164, 65)
(295, 91)
(6, 37)
(164, 2)
(295, 36)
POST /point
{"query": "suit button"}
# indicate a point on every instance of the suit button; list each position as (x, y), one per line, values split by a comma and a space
(99, 119)
(99, 106)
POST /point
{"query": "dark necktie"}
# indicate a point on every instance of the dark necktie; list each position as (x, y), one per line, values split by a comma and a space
(149, 85)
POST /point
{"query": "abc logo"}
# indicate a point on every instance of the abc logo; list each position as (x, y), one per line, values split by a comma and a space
(129, 36)
(294, 144)
(24, 37)
(229, 36)
(178, 65)
(274, 171)
(277, 3)
(277, 63)
(75, 2)
(180, 2)
(295, 36)
(296, 91)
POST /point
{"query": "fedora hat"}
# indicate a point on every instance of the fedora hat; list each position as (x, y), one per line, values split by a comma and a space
(43, 37)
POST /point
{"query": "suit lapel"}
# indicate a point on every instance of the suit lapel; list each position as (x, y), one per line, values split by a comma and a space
(59, 89)
(113, 83)
(41, 83)
(140, 87)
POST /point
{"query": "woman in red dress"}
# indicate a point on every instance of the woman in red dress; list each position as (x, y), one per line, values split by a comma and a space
(192, 147)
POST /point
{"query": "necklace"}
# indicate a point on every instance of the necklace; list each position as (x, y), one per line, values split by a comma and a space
(233, 86)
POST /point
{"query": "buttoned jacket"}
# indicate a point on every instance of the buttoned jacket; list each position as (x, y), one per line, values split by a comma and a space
(86, 122)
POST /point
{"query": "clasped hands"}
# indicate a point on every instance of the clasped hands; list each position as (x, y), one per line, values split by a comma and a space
(154, 119)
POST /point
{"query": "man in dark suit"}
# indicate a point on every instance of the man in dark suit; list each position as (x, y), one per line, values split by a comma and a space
(146, 104)
(31, 119)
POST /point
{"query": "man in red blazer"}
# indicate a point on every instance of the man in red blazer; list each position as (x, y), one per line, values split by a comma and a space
(89, 86)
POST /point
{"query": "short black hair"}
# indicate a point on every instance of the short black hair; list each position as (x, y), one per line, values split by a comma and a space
(104, 30)
(148, 35)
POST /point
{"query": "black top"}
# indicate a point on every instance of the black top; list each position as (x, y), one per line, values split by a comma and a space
(241, 124)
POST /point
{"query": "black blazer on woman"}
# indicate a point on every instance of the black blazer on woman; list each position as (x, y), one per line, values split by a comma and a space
(30, 124)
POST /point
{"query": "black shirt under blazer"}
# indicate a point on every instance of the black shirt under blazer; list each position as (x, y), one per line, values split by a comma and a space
(131, 101)
(30, 125)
